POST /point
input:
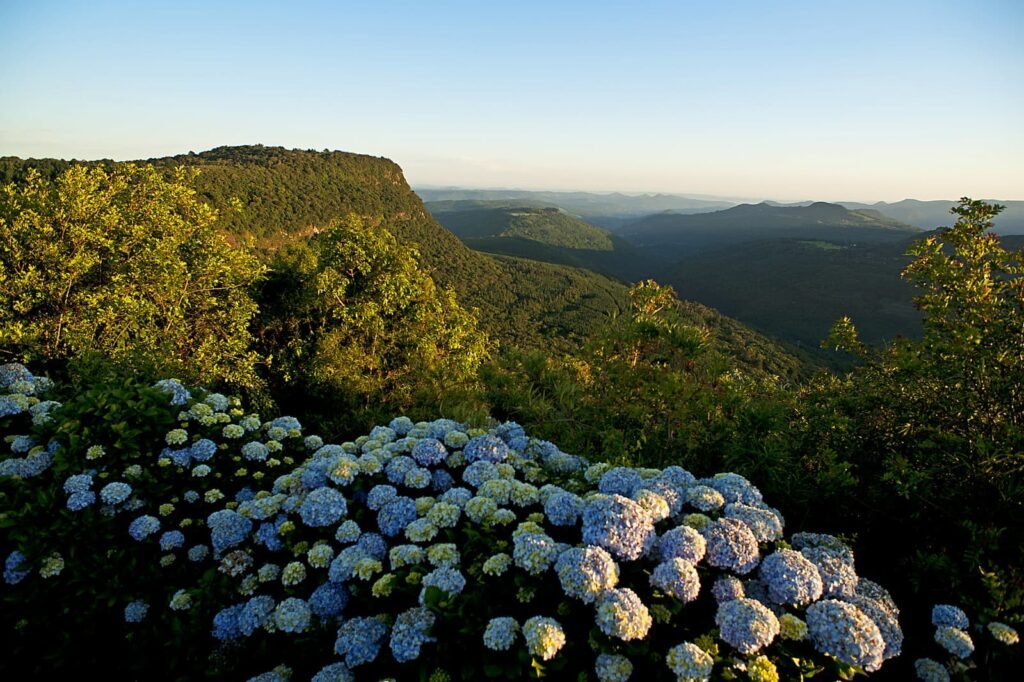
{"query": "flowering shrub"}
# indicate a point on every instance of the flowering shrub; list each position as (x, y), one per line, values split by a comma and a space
(424, 549)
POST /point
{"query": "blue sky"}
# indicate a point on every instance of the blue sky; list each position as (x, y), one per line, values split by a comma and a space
(788, 100)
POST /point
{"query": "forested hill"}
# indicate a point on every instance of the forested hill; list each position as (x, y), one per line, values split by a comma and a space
(546, 225)
(544, 233)
(288, 194)
(686, 235)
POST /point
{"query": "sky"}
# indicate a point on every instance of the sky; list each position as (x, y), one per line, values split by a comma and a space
(826, 100)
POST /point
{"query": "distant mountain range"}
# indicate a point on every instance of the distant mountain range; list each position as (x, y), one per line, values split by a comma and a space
(676, 235)
(609, 210)
(615, 209)
(930, 215)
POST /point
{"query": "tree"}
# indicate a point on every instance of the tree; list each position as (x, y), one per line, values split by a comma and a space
(352, 318)
(935, 427)
(126, 265)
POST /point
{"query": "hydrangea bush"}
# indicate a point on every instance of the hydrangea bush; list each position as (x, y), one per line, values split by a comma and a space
(425, 550)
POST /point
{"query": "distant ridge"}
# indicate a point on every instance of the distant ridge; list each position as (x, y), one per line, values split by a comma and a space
(609, 210)
(686, 235)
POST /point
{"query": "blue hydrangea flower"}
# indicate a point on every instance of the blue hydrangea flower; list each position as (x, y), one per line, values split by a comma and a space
(373, 544)
(689, 662)
(930, 671)
(949, 616)
(79, 501)
(380, 495)
(731, 545)
(790, 578)
(328, 600)
(734, 488)
(765, 524)
(563, 508)
(418, 478)
(359, 640)
(227, 528)
(15, 569)
(429, 452)
(198, 553)
(477, 473)
(409, 633)
(79, 483)
(845, 632)
(441, 480)
(225, 623)
(448, 580)
(292, 615)
(620, 525)
(267, 534)
(704, 498)
(621, 614)
(143, 527)
(179, 394)
(343, 565)
(955, 641)
(254, 613)
(457, 496)
(746, 625)
(620, 481)
(612, 668)
(135, 611)
(1003, 633)
(534, 552)
(544, 637)
(486, 448)
(203, 450)
(727, 588)
(172, 539)
(682, 542)
(677, 578)
(400, 425)
(500, 633)
(255, 451)
(335, 672)
(887, 622)
(835, 566)
(286, 423)
(397, 468)
(115, 493)
(348, 532)
(323, 507)
(586, 572)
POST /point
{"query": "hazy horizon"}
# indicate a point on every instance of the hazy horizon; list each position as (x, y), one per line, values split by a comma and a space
(789, 101)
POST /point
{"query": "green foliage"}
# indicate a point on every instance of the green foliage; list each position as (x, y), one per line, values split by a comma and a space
(935, 428)
(127, 265)
(349, 317)
(653, 387)
(550, 226)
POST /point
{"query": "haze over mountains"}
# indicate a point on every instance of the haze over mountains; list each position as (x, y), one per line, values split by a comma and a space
(789, 270)
(616, 209)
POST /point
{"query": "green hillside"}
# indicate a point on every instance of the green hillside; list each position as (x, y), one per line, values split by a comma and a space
(551, 226)
(541, 233)
(795, 289)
